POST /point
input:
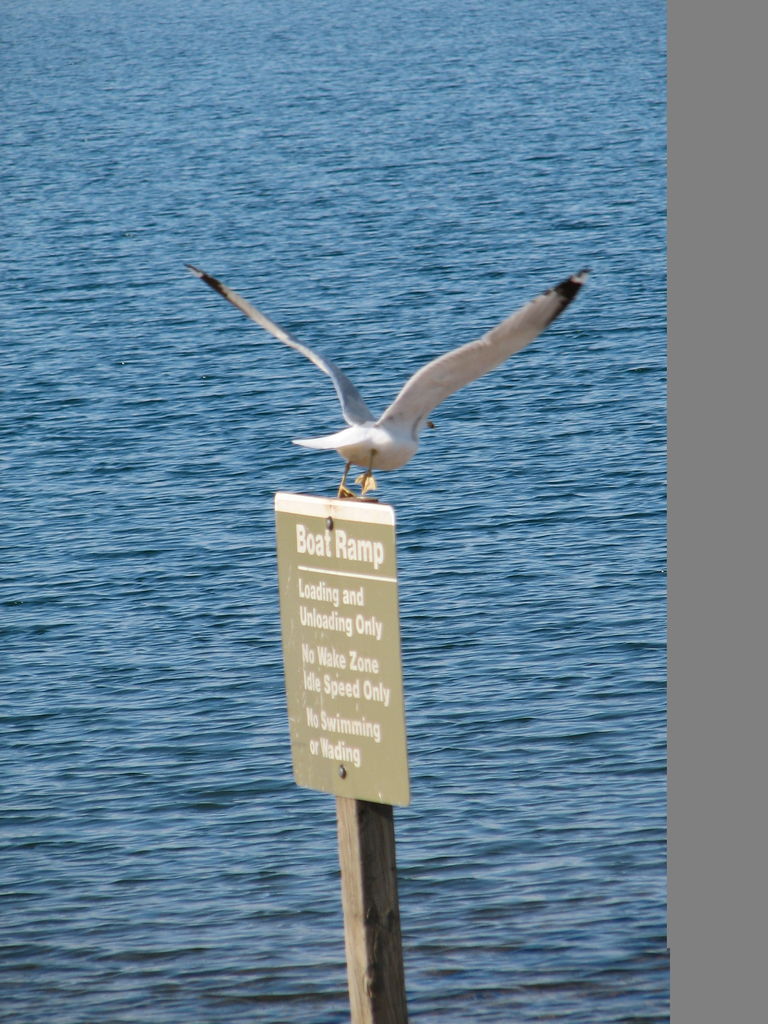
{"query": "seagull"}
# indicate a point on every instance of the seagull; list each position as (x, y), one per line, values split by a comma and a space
(392, 440)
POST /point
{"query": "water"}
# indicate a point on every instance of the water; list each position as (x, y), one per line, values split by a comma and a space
(386, 180)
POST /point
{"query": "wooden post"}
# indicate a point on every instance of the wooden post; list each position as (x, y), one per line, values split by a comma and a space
(371, 912)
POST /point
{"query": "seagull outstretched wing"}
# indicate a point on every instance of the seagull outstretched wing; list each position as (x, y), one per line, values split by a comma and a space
(433, 383)
(353, 408)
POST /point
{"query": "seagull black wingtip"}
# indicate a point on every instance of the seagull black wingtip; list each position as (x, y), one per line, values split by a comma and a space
(569, 288)
(212, 282)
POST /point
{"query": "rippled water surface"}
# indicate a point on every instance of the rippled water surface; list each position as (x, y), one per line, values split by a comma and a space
(386, 180)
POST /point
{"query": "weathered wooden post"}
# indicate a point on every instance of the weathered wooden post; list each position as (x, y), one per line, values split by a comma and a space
(371, 912)
(341, 648)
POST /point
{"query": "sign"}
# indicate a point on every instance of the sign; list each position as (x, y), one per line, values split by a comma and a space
(337, 573)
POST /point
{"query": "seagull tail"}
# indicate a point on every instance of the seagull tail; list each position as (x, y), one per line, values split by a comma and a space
(321, 443)
(332, 442)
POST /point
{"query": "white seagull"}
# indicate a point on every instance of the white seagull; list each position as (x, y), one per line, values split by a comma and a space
(393, 439)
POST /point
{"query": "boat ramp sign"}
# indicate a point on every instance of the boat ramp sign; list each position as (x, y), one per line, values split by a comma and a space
(337, 571)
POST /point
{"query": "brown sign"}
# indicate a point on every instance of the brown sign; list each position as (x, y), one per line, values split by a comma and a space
(341, 646)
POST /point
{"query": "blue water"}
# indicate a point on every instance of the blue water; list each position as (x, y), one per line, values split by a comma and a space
(387, 180)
